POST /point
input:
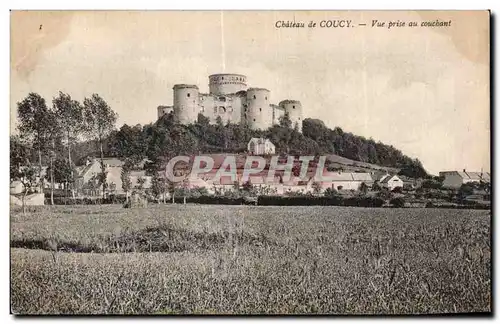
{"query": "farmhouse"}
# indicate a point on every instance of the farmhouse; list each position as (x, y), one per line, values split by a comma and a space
(391, 181)
(455, 179)
(86, 180)
(261, 146)
(347, 180)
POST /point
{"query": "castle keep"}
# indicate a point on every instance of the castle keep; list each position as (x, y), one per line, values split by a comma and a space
(230, 99)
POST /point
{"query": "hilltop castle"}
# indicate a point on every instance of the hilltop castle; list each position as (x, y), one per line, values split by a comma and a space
(230, 99)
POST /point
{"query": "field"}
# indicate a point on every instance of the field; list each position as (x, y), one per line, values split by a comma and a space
(207, 259)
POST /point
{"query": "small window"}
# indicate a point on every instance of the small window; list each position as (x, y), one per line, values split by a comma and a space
(254, 119)
(260, 109)
(189, 95)
(254, 97)
(266, 98)
(293, 107)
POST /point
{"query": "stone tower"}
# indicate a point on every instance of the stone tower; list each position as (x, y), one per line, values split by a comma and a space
(257, 110)
(226, 83)
(186, 103)
(293, 108)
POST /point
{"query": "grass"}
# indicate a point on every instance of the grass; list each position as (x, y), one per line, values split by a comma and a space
(188, 259)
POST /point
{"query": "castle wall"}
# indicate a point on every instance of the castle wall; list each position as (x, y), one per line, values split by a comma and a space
(186, 103)
(164, 110)
(278, 112)
(294, 110)
(227, 107)
(225, 83)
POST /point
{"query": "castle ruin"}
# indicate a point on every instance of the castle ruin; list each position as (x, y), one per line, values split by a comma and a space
(230, 99)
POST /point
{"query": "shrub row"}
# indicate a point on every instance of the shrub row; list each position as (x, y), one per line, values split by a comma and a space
(268, 201)
(320, 201)
(212, 200)
(86, 201)
(456, 206)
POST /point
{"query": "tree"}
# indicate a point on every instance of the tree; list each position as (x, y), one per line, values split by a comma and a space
(159, 186)
(247, 186)
(432, 184)
(29, 180)
(61, 171)
(21, 168)
(100, 120)
(54, 137)
(413, 169)
(465, 190)
(129, 143)
(316, 186)
(363, 188)
(102, 178)
(384, 194)
(329, 192)
(112, 187)
(398, 202)
(19, 156)
(69, 114)
(285, 121)
(140, 183)
(376, 186)
(398, 190)
(126, 182)
(35, 123)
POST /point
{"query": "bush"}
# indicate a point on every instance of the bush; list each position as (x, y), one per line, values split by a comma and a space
(329, 192)
(397, 202)
(359, 201)
(384, 194)
(397, 190)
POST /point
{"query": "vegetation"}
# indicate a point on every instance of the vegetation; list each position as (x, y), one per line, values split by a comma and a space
(51, 132)
(249, 260)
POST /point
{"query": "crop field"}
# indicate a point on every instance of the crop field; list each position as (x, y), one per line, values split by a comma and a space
(207, 259)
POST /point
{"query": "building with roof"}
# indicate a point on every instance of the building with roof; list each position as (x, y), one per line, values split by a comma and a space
(86, 178)
(230, 99)
(455, 179)
(391, 182)
(260, 146)
(347, 180)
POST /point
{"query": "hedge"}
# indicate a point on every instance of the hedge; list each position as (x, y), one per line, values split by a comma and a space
(320, 201)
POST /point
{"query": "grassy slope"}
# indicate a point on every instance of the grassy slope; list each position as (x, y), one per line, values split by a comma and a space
(242, 259)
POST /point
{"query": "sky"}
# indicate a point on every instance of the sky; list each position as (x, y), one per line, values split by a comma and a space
(424, 90)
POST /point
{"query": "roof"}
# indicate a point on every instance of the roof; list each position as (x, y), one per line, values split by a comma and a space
(288, 101)
(229, 74)
(183, 86)
(390, 177)
(260, 140)
(258, 89)
(469, 175)
(358, 176)
(112, 161)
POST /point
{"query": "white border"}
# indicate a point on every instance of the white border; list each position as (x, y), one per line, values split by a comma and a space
(192, 5)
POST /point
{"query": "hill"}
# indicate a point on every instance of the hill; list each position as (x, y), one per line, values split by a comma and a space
(164, 139)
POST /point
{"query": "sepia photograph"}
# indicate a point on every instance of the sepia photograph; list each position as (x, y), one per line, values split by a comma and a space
(237, 162)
